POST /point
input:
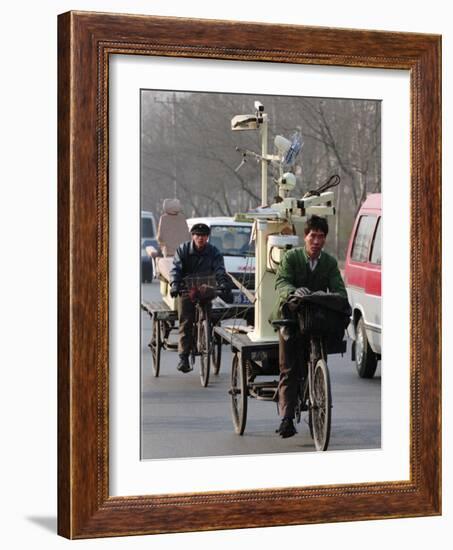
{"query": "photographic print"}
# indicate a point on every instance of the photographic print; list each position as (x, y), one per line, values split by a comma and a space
(254, 169)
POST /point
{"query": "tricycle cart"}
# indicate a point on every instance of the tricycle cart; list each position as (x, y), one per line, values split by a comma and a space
(255, 374)
(207, 346)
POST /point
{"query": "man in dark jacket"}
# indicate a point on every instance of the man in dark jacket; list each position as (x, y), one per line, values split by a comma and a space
(194, 257)
(302, 270)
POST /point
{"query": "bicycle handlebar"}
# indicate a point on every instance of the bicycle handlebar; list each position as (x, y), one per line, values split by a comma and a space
(283, 322)
(214, 293)
(185, 291)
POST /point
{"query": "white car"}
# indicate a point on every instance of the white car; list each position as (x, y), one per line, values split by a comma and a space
(233, 240)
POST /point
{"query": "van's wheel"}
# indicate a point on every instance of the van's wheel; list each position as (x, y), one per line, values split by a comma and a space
(365, 358)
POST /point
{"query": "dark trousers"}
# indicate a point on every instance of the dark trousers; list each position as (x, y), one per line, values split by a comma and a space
(292, 357)
(186, 318)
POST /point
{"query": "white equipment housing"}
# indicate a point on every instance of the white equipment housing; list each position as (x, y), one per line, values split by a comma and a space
(278, 227)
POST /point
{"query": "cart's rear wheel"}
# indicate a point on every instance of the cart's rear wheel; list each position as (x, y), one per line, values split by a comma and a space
(297, 413)
(301, 400)
(165, 329)
(216, 353)
(310, 421)
(155, 346)
(205, 352)
(239, 394)
(321, 409)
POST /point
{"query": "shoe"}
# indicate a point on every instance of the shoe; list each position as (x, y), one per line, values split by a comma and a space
(286, 428)
(183, 364)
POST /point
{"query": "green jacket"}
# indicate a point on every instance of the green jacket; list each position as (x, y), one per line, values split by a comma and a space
(294, 272)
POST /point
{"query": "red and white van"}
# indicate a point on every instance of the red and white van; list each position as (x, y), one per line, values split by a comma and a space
(362, 277)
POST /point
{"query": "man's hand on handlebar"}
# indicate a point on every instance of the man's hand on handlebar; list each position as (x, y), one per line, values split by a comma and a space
(175, 290)
(203, 292)
(301, 292)
(225, 294)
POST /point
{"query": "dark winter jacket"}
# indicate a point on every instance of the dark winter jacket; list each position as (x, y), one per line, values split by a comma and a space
(189, 261)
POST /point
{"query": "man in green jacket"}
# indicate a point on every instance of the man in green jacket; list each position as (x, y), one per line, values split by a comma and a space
(302, 270)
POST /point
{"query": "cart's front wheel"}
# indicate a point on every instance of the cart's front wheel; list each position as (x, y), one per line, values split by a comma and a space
(155, 346)
(205, 351)
(238, 393)
(321, 408)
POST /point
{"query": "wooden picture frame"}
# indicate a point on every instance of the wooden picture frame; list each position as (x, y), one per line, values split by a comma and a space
(85, 41)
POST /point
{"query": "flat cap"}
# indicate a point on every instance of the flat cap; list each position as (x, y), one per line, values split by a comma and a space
(200, 229)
